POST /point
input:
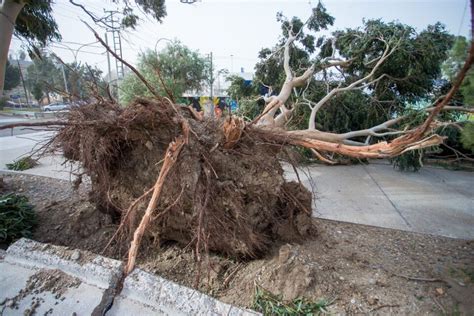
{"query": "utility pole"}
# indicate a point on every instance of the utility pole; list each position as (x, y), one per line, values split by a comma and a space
(23, 84)
(212, 80)
(116, 46)
(65, 81)
(108, 59)
(116, 42)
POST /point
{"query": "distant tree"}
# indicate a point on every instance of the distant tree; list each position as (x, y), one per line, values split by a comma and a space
(37, 91)
(239, 88)
(12, 76)
(81, 78)
(180, 69)
(33, 21)
(43, 75)
(453, 64)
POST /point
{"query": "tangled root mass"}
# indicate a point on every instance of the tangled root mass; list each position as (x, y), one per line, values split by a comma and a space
(234, 201)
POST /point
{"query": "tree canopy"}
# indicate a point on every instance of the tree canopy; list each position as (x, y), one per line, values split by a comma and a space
(409, 75)
(176, 68)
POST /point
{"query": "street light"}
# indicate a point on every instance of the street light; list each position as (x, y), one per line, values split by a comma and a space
(75, 52)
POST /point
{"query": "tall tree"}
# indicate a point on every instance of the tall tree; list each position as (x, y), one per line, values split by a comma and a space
(33, 21)
(30, 20)
(173, 70)
(12, 76)
(44, 77)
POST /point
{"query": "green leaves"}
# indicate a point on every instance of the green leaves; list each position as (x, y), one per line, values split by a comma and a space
(22, 164)
(17, 218)
(36, 23)
(467, 136)
(269, 304)
(180, 68)
(320, 19)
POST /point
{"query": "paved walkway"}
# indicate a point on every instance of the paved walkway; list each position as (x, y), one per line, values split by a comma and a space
(434, 201)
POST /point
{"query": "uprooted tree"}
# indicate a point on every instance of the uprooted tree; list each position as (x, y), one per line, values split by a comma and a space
(166, 172)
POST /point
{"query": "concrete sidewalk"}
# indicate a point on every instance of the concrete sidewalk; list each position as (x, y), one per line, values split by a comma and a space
(15, 147)
(434, 201)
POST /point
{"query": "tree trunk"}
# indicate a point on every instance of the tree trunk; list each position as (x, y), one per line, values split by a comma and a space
(9, 11)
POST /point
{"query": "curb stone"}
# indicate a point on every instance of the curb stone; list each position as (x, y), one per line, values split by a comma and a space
(165, 297)
(91, 269)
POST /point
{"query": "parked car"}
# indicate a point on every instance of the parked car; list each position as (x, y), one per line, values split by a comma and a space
(56, 107)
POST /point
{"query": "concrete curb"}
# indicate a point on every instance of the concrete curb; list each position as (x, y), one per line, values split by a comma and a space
(162, 296)
(89, 268)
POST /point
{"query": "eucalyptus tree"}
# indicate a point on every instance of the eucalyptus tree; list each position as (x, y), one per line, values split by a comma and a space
(172, 70)
(352, 86)
(33, 21)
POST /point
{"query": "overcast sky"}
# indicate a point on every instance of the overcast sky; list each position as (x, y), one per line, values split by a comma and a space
(235, 30)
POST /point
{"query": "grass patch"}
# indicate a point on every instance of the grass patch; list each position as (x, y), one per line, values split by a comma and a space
(464, 274)
(17, 218)
(268, 303)
(22, 164)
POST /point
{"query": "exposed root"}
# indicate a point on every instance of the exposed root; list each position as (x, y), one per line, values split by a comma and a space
(171, 156)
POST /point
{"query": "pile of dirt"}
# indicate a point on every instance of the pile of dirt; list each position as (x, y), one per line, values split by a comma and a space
(231, 199)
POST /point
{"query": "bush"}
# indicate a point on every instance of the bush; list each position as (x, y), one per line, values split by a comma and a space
(17, 218)
(467, 136)
(22, 164)
(3, 102)
(250, 109)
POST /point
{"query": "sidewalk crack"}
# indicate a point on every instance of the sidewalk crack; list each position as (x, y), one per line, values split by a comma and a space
(385, 194)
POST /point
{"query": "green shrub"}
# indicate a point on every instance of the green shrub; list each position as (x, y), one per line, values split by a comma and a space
(3, 102)
(250, 109)
(467, 136)
(22, 164)
(17, 218)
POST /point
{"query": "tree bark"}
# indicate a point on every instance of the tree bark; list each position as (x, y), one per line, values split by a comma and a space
(9, 11)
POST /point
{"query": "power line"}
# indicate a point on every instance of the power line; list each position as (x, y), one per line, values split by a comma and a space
(79, 44)
(82, 51)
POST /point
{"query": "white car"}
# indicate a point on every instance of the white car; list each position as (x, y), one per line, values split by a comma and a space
(56, 107)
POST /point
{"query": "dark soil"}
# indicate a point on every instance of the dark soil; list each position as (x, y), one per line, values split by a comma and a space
(361, 269)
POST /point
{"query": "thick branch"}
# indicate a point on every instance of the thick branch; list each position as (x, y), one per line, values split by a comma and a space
(355, 85)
